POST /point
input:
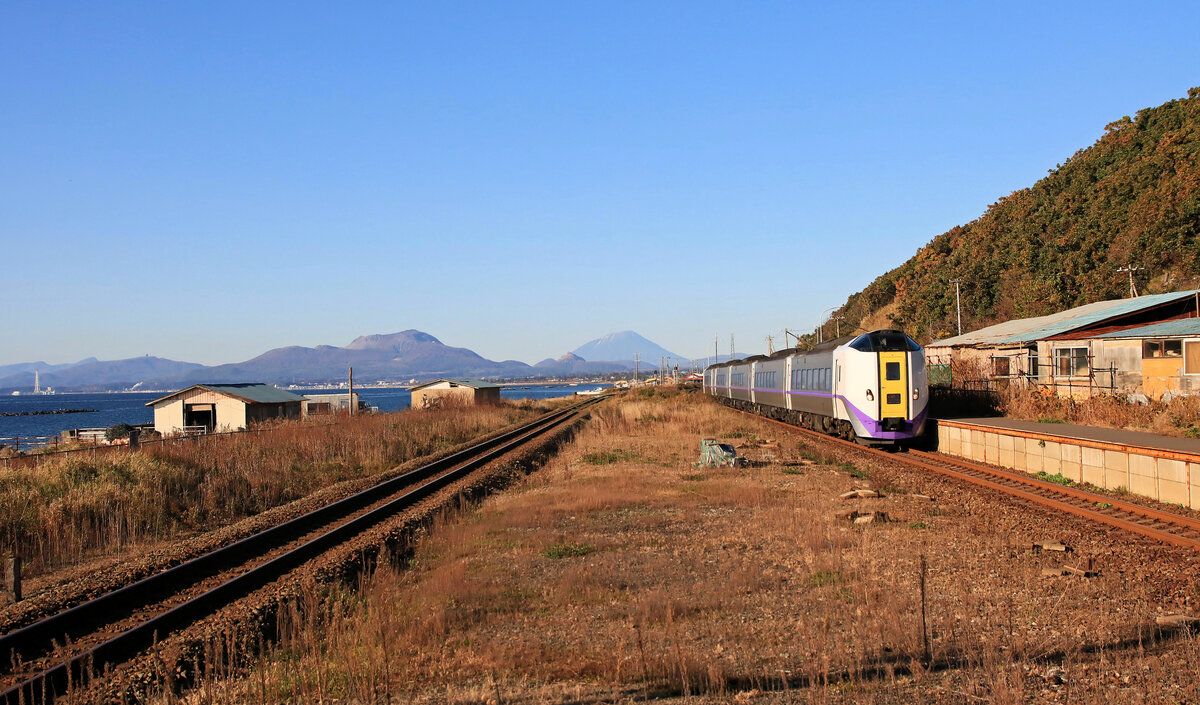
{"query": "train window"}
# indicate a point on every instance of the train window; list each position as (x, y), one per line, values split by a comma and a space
(892, 371)
(884, 341)
(764, 380)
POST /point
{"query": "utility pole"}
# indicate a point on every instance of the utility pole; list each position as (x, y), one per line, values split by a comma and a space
(351, 385)
(957, 302)
(635, 369)
(732, 353)
(716, 345)
(1131, 269)
(838, 324)
(770, 345)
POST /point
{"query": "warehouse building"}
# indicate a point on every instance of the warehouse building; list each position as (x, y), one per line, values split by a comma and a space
(445, 392)
(1132, 346)
(208, 408)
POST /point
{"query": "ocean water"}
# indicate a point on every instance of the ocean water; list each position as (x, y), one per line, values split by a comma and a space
(130, 408)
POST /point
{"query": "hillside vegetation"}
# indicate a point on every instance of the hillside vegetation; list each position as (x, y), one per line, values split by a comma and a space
(1132, 198)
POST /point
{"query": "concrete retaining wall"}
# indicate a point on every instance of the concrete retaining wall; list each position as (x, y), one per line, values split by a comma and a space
(1166, 476)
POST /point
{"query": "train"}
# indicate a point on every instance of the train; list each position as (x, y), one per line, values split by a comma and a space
(871, 388)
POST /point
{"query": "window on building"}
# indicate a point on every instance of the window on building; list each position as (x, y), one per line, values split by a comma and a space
(1161, 348)
(1191, 358)
(1071, 362)
(1001, 366)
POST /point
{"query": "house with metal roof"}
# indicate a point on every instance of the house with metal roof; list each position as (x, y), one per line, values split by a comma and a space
(208, 408)
(1096, 348)
(447, 392)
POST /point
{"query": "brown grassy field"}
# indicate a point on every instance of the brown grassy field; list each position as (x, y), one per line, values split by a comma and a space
(77, 508)
(620, 572)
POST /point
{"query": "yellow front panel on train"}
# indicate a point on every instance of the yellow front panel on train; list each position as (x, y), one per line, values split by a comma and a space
(893, 385)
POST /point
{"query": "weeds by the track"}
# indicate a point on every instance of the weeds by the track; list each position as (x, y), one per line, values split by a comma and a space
(639, 578)
(67, 510)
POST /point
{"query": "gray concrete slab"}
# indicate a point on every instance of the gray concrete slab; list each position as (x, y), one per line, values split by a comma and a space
(1139, 439)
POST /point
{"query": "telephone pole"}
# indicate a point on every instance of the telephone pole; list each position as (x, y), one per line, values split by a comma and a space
(1131, 269)
(635, 369)
(770, 345)
(957, 302)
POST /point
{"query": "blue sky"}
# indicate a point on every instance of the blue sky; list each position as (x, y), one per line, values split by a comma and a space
(204, 181)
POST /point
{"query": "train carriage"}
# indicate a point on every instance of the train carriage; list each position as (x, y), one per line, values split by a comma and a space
(872, 387)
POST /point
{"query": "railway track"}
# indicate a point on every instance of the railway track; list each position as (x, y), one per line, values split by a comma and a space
(1148, 522)
(105, 631)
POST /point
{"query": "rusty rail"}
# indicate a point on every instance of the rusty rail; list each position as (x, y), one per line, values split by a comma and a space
(39, 638)
(1166, 527)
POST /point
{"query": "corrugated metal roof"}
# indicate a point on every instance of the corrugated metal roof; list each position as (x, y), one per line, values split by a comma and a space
(1028, 330)
(1167, 329)
(254, 392)
(475, 383)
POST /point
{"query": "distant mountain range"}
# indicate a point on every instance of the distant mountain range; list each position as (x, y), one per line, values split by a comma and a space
(398, 357)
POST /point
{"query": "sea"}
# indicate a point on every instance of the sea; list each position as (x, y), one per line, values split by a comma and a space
(109, 409)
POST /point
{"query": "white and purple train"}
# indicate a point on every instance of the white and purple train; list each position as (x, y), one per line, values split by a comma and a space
(872, 388)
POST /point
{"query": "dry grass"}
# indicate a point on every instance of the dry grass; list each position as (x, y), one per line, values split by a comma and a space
(64, 511)
(621, 572)
(1178, 417)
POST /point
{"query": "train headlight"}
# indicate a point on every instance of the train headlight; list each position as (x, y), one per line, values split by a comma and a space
(916, 394)
(870, 395)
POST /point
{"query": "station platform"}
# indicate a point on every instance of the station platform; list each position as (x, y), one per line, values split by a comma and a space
(1162, 468)
(1112, 436)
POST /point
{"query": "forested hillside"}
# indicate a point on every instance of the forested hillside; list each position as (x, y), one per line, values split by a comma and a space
(1132, 198)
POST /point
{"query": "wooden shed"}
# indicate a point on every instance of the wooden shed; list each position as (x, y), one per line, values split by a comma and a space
(207, 408)
(454, 391)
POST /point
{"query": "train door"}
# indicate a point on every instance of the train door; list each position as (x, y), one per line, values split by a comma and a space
(787, 383)
(750, 382)
(893, 385)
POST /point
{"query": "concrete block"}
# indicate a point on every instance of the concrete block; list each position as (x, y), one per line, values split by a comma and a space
(1116, 460)
(1051, 463)
(1020, 460)
(1094, 475)
(1173, 492)
(1172, 470)
(1005, 442)
(1116, 469)
(1142, 465)
(1093, 456)
(953, 445)
(1143, 485)
(1018, 444)
(1033, 457)
(1072, 467)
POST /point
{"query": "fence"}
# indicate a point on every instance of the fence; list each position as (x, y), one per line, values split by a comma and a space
(96, 447)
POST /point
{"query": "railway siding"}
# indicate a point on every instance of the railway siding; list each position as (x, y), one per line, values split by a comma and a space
(1156, 467)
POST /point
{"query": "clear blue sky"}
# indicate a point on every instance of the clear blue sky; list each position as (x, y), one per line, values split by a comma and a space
(204, 181)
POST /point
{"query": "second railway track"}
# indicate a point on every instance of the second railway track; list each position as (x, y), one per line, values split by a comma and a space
(1149, 522)
(109, 629)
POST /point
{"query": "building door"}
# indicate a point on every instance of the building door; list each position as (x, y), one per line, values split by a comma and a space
(200, 415)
